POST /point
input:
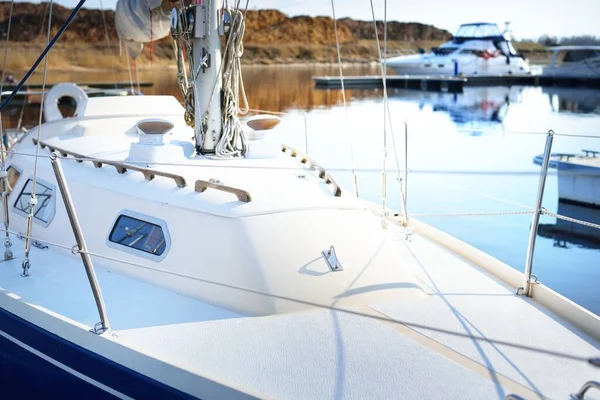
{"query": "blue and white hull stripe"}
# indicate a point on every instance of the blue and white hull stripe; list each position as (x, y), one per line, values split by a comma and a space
(36, 362)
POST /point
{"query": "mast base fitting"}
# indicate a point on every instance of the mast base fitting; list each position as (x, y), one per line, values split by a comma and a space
(202, 151)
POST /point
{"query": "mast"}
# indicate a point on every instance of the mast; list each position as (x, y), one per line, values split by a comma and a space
(208, 78)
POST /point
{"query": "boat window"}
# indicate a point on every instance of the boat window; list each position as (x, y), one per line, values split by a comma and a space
(43, 212)
(12, 176)
(579, 55)
(142, 234)
(443, 51)
(478, 30)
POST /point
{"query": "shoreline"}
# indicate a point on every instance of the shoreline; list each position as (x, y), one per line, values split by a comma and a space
(83, 57)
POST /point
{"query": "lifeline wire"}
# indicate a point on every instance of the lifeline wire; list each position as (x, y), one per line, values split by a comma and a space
(553, 353)
(366, 170)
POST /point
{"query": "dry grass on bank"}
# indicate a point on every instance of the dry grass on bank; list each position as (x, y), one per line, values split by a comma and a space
(77, 56)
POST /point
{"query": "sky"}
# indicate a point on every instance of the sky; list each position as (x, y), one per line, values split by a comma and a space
(529, 18)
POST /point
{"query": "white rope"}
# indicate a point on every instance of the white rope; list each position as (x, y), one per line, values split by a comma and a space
(348, 133)
(569, 219)
(233, 141)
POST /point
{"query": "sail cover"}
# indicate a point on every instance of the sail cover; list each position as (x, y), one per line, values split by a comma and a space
(141, 21)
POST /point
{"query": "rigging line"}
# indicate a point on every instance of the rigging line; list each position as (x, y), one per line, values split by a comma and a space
(39, 129)
(556, 134)
(37, 62)
(348, 133)
(2, 141)
(128, 59)
(137, 77)
(532, 133)
(31, 213)
(385, 110)
(473, 214)
(108, 45)
(39, 36)
(319, 305)
(576, 135)
(477, 193)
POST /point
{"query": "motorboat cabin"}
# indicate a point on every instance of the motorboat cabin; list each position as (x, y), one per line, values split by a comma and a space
(476, 49)
(574, 61)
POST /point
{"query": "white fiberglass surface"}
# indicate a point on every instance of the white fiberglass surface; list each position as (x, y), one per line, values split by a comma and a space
(59, 283)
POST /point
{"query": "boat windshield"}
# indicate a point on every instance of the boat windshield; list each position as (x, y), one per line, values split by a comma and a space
(580, 55)
(480, 30)
(507, 48)
(444, 51)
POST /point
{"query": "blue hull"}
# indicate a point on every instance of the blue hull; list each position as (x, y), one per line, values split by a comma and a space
(24, 374)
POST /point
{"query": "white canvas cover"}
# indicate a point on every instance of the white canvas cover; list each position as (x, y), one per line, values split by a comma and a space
(135, 26)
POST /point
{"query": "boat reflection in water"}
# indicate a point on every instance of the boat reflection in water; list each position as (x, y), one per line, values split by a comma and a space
(565, 233)
(474, 106)
(576, 100)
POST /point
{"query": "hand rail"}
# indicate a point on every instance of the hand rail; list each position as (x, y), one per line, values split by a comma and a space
(121, 168)
(323, 174)
(242, 195)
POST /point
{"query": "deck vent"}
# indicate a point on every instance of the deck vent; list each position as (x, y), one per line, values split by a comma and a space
(151, 147)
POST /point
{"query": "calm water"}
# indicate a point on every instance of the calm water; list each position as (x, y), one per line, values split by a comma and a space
(463, 156)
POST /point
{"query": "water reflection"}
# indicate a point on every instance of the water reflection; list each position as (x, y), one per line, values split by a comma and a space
(291, 87)
(577, 100)
(566, 233)
(475, 104)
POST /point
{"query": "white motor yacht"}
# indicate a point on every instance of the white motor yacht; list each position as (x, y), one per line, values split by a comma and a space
(574, 62)
(476, 49)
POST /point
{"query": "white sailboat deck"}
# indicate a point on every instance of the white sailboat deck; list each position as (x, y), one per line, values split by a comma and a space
(331, 354)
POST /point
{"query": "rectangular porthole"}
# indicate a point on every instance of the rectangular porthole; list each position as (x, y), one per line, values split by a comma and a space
(140, 235)
(45, 209)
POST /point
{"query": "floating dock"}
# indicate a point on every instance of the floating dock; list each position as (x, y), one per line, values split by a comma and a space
(451, 84)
